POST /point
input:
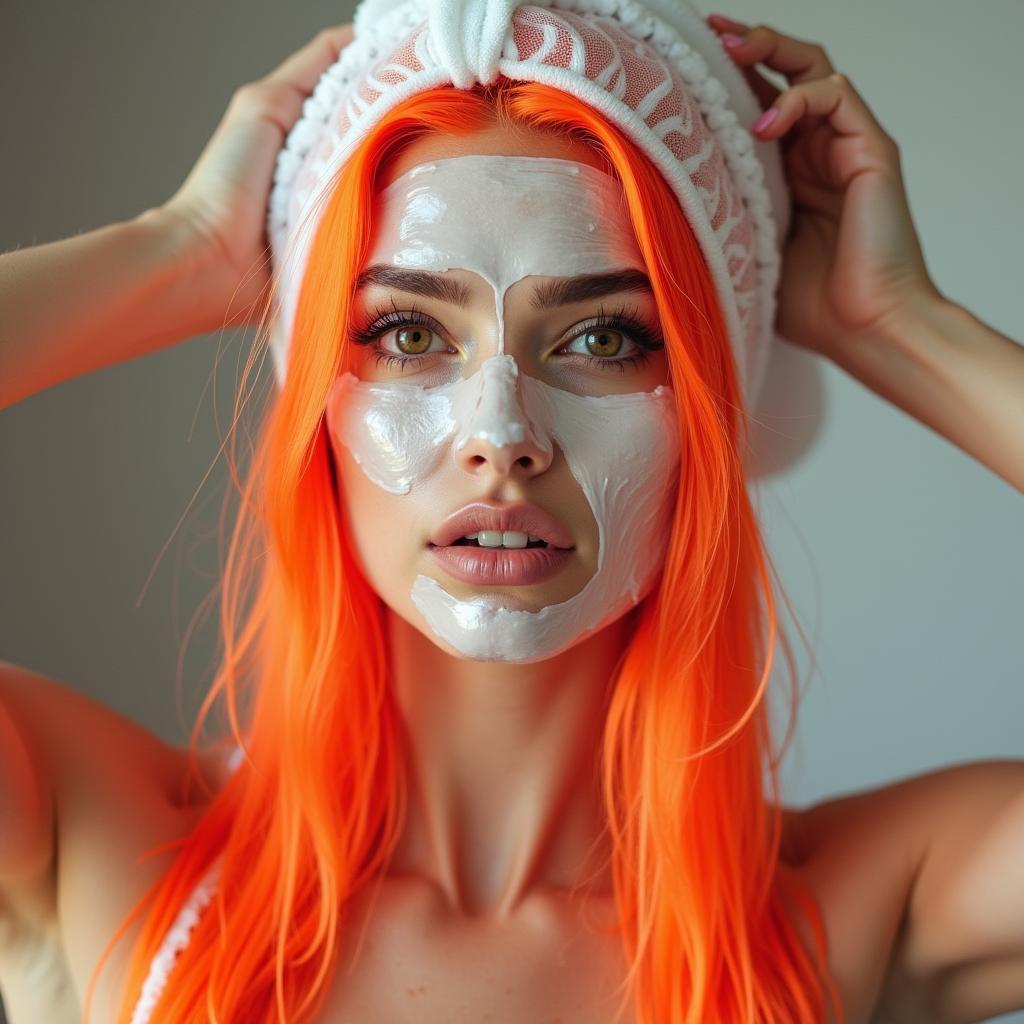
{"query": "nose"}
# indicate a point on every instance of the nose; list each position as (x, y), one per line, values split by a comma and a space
(498, 435)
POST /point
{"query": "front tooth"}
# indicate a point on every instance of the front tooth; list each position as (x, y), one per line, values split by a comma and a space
(472, 536)
(502, 538)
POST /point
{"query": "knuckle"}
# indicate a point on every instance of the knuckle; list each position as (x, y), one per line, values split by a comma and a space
(259, 96)
(262, 99)
(248, 93)
(840, 79)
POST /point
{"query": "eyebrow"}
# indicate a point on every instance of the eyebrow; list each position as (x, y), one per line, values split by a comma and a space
(560, 292)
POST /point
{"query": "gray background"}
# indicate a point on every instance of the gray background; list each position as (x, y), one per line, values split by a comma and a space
(902, 556)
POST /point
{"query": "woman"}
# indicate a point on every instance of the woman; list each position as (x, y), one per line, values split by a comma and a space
(474, 796)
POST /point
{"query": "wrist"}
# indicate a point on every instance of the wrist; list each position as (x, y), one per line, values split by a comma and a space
(939, 363)
(916, 340)
(915, 318)
(185, 268)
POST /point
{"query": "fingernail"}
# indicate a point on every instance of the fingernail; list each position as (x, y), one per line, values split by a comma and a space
(765, 119)
(732, 41)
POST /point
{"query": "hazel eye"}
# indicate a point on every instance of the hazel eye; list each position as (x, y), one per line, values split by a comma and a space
(621, 341)
(603, 341)
(413, 340)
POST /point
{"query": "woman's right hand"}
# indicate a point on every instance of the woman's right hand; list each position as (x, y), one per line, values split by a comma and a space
(220, 210)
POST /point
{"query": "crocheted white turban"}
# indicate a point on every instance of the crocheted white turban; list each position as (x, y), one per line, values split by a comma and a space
(653, 68)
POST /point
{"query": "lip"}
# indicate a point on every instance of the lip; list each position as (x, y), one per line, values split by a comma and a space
(501, 566)
(522, 517)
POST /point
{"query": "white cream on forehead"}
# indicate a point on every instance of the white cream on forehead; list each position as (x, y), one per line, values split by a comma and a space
(506, 218)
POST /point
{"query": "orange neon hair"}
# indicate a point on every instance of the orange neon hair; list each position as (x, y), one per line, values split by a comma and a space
(717, 926)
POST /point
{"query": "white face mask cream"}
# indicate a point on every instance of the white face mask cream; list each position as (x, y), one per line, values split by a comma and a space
(506, 218)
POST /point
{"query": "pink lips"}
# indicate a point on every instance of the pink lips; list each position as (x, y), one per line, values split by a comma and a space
(497, 566)
(522, 517)
(501, 566)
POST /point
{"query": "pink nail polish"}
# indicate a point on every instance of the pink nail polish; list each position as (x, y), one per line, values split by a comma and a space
(731, 40)
(765, 119)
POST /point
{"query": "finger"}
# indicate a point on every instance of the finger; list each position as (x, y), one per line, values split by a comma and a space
(765, 92)
(278, 97)
(834, 99)
(798, 60)
(302, 70)
(720, 23)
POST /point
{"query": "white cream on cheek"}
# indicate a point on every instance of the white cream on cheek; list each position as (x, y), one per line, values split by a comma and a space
(505, 218)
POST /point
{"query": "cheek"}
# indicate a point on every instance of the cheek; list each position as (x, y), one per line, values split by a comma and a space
(376, 520)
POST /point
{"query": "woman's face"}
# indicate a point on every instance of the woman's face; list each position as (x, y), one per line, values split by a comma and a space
(473, 381)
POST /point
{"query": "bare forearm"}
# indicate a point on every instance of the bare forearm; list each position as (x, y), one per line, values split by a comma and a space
(83, 303)
(946, 368)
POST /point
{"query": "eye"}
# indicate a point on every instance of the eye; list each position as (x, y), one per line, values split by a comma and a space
(411, 340)
(616, 342)
(413, 334)
(602, 341)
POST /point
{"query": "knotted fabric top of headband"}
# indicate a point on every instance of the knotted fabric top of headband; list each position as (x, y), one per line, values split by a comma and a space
(653, 68)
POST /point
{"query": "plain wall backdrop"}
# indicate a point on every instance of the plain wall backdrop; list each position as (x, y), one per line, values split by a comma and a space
(903, 557)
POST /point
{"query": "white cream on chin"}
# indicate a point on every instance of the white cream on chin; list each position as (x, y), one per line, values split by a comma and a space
(553, 218)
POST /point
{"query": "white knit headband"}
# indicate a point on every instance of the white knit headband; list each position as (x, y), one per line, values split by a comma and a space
(654, 69)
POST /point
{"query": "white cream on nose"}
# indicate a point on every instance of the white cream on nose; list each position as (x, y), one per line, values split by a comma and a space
(496, 414)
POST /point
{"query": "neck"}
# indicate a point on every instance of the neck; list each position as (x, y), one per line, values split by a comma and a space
(504, 792)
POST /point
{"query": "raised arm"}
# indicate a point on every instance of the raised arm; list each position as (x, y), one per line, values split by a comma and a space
(854, 285)
(940, 363)
(192, 265)
(83, 303)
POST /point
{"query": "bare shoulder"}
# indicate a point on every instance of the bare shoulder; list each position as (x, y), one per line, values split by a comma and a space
(92, 794)
(963, 944)
(909, 876)
(77, 740)
(84, 773)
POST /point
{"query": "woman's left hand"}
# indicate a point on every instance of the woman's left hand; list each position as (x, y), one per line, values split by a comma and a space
(852, 260)
(854, 284)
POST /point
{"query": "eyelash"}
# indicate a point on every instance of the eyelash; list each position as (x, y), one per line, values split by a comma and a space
(626, 319)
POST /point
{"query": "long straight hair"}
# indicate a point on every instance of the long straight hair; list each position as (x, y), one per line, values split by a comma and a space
(716, 922)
